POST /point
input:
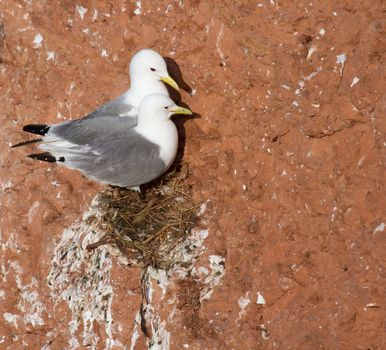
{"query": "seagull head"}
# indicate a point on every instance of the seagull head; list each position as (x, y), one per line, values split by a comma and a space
(158, 107)
(149, 64)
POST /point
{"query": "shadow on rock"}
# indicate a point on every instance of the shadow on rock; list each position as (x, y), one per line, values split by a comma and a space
(175, 72)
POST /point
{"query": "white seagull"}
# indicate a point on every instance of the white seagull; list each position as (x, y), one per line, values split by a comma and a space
(110, 150)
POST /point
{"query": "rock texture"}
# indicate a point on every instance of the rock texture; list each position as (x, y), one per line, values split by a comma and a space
(288, 160)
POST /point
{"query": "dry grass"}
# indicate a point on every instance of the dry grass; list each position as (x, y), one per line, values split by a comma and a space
(146, 230)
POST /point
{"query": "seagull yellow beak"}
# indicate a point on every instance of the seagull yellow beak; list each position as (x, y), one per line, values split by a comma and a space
(180, 110)
(171, 82)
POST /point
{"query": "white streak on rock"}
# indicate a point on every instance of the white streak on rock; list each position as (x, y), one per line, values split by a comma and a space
(218, 42)
(82, 279)
(11, 318)
(243, 302)
(354, 81)
(135, 335)
(38, 41)
(260, 299)
(217, 265)
(30, 305)
(94, 15)
(70, 88)
(31, 212)
(186, 253)
(81, 11)
(310, 52)
(311, 75)
(380, 228)
(169, 7)
(302, 81)
(202, 209)
(138, 8)
(160, 339)
(340, 60)
(50, 55)
(161, 277)
(7, 185)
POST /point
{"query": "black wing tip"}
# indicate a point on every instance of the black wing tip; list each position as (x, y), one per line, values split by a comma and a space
(39, 129)
(24, 143)
(46, 157)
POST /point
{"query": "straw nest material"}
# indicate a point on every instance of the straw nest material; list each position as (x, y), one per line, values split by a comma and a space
(146, 229)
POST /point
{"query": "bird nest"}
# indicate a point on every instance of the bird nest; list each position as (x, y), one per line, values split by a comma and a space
(146, 229)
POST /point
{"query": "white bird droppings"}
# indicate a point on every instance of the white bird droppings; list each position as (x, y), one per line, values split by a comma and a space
(260, 299)
(7, 185)
(10, 318)
(341, 59)
(38, 41)
(244, 302)
(380, 228)
(354, 81)
(218, 42)
(138, 8)
(50, 55)
(82, 280)
(81, 11)
(217, 265)
(202, 209)
(310, 52)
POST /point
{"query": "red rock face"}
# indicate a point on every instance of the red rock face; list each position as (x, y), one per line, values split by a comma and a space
(288, 158)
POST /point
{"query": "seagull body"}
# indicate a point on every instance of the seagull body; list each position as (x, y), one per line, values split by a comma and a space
(109, 149)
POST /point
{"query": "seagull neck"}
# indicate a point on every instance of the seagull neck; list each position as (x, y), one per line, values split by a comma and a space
(146, 121)
(143, 87)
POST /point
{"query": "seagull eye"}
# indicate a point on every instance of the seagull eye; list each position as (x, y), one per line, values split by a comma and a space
(166, 107)
(152, 69)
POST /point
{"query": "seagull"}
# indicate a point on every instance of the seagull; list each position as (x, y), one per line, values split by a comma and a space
(110, 150)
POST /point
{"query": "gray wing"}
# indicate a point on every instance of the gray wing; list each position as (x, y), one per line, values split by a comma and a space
(109, 118)
(124, 158)
(117, 107)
